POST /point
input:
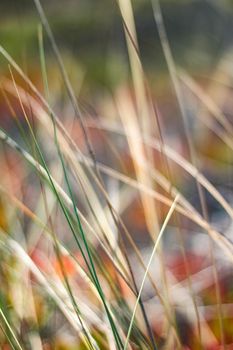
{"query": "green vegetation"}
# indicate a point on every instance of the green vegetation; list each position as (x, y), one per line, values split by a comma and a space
(116, 188)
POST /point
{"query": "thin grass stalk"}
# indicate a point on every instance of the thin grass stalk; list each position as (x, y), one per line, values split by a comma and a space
(172, 70)
(18, 346)
(92, 270)
(170, 212)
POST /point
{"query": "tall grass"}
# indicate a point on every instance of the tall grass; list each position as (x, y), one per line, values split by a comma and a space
(72, 272)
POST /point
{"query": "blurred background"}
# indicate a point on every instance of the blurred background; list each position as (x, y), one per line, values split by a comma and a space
(90, 34)
(91, 39)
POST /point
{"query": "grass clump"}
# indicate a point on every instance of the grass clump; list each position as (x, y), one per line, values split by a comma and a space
(102, 244)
